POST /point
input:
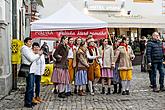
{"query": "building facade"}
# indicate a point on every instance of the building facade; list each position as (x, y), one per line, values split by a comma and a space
(130, 17)
(5, 44)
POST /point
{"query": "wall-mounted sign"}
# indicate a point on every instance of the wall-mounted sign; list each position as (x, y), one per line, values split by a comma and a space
(104, 7)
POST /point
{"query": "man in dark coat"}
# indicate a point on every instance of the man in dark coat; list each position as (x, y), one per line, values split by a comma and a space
(154, 54)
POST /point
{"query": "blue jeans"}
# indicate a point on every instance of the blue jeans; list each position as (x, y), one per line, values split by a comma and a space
(37, 85)
(29, 94)
(160, 67)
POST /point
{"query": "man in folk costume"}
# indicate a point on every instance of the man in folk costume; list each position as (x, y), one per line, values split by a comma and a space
(71, 63)
(94, 64)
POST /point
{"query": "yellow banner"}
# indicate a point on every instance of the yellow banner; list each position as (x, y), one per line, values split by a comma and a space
(46, 77)
(16, 51)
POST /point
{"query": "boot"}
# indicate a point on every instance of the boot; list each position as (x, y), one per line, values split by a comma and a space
(87, 88)
(81, 93)
(61, 95)
(39, 99)
(35, 101)
(109, 91)
(120, 87)
(115, 88)
(93, 89)
(103, 90)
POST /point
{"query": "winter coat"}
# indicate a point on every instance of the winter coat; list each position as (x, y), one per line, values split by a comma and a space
(107, 56)
(63, 52)
(154, 51)
(82, 63)
(125, 57)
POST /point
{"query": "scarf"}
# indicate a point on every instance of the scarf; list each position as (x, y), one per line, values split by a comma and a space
(71, 46)
(125, 45)
(91, 47)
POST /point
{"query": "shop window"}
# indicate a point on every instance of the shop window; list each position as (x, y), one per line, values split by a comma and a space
(144, 1)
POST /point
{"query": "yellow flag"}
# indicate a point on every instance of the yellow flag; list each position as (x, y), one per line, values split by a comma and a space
(16, 51)
(46, 77)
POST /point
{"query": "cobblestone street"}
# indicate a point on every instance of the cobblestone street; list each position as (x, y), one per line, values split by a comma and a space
(140, 98)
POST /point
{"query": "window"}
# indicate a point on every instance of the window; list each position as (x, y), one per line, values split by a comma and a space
(144, 1)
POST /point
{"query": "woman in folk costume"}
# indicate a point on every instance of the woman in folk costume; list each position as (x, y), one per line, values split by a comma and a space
(116, 77)
(82, 65)
(61, 74)
(107, 53)
(126, 55)
(77, 44)
(71, 63)
(94, 64)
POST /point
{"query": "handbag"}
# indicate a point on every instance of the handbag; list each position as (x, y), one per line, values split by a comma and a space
(24, 70)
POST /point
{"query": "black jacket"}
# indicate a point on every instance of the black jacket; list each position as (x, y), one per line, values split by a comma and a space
(154, 51)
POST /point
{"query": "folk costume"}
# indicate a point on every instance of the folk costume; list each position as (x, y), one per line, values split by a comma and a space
(61, 74)
(81, 74)
(125, 52)
(94, 66)
(106, 70)
(71, 65)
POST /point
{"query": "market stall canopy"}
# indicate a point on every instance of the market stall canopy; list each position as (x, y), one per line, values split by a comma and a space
(67, 18)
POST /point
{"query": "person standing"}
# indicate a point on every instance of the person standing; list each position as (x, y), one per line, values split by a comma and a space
(154, 54)
(61, 75)
(126, 55)
(82, 65)
(45, 49)
(106, 51)
(71, 63)
(28, 57)
(40, 68)
(94, 64)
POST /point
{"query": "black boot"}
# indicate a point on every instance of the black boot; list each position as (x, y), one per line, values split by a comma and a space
(109, 91)
(61, 95)
(103, 90)
(120, 87)
(87, 88)
(75, 90)
(93, 88)
(115, 88)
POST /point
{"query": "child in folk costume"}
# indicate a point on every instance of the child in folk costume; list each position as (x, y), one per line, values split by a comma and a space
(126, 55)
(71, 63)
(82, 65)
(94, 64)
(106, 69)
(61, 74)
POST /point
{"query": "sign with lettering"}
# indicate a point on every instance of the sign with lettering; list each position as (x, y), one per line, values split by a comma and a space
(97, 33)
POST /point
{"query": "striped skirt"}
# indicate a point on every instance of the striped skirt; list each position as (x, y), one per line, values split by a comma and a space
(81, 77)
(60, 76)
(106, 73)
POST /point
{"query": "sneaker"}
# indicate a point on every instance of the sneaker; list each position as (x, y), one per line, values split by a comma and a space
(124, 93)
(127, 92)
(155, 90)
(39, 99)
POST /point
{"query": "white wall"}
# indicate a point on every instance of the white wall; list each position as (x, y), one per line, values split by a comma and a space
(2, 10)
(144, 9)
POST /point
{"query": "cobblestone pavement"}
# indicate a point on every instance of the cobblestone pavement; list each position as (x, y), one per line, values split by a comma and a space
(141, 98)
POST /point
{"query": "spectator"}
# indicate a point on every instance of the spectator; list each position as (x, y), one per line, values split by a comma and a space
(40, 68)
(28, 57)
(154, 54)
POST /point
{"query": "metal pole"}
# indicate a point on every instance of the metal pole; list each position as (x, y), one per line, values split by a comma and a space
(14, 35)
